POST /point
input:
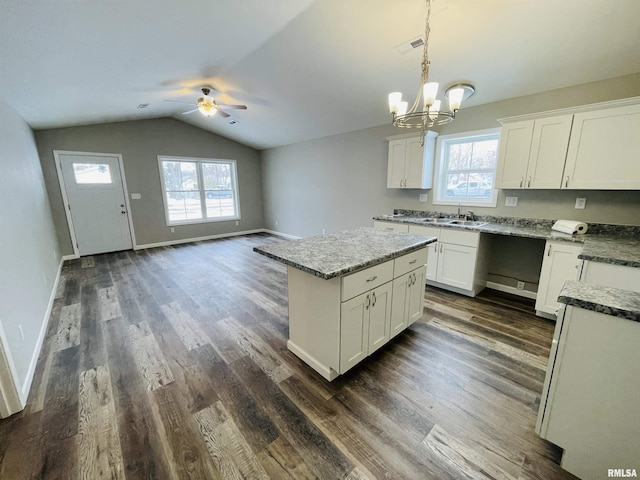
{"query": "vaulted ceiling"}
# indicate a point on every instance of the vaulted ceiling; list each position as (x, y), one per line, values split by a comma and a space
(304, 68)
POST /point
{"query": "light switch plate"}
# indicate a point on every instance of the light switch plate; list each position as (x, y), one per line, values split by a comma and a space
(424, 197)
(511, 201)
(581, 203)
(136, 196)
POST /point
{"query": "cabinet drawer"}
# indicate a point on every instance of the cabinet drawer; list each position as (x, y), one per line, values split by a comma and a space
(366, 279)
(459, 237)
(411, 261)
(427, 231)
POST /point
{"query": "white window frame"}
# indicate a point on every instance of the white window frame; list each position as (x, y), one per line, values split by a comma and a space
(199, 161)
(440, 173)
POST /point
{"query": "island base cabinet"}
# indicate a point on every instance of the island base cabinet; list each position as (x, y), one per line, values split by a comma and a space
(589, 405)
(364, 325)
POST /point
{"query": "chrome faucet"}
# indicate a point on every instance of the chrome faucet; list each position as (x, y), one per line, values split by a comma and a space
(470, 216)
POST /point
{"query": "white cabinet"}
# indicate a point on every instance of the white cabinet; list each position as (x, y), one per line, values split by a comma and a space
(611, 275)
(533, 152)
(397, 227)
(410, 164)
(458, 261)
(334, 324)
(603, 150)
(589, 404)
(364, 325)
(560, 263)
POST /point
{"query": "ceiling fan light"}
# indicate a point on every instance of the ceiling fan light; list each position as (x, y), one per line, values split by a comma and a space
(207, 109)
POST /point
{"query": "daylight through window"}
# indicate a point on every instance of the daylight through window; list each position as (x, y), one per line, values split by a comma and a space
(199, 190)
(467, 168)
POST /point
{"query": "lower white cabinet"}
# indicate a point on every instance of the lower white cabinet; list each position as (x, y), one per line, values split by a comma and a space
(336, 323)
(364, 325)
(560, 263)
(458, 261)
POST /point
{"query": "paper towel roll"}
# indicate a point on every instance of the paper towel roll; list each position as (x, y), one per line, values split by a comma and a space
(572, 227)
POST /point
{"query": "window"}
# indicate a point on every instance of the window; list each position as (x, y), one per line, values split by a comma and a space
(199, 190)
(91, 173)
(466, 168)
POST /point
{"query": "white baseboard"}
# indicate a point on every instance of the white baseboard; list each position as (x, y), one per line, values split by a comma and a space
(197, 239)
(514, 291)
(69, 257)
(26, 386)
(280, 234)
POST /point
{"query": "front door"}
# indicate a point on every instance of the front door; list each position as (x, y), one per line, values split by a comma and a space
(95, 202)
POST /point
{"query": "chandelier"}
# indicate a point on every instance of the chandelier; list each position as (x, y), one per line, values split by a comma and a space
(429, 114)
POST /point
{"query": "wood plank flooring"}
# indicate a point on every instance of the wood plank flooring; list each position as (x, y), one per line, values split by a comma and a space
(172, 363)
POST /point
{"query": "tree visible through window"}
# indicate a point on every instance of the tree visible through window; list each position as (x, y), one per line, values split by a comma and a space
(199, 190)
(467, 168)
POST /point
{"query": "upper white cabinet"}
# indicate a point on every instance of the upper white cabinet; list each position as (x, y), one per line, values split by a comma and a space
(410, 165)
(532, 153)
(560, 263)
(585, 148)
(603, 150)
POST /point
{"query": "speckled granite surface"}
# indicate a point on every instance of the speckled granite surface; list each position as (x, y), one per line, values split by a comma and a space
(337, 254)
(607, 300)
(615, 244)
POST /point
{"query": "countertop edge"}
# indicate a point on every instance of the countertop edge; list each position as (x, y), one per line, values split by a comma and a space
(586, 296)
(351, 269)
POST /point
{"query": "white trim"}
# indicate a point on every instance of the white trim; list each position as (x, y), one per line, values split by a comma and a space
(571, 110)
(514, 291)
(26, 386)
(65, 199)
(10, 401)
(437, 183)
(280, 234)
(69, 257)
(198, 239)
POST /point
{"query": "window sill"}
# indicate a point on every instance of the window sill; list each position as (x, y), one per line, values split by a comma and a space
(206, 220)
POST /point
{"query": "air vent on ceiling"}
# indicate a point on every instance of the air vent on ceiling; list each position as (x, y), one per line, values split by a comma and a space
(409, 45)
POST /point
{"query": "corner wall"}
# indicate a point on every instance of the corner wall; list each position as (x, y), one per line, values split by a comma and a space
(29, 253)
(140, 143)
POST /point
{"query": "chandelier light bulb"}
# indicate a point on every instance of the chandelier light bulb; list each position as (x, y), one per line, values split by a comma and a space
(430, 92)
(434, 110)
(394, 101)
(402, 108)
(455, 98)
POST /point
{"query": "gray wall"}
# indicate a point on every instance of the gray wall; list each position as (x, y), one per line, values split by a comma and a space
(339, 182)
(140, 142)
(29, 253)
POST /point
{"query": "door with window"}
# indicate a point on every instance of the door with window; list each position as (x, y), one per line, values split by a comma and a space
(95, 202)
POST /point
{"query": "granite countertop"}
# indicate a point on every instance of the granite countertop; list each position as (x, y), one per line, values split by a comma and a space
(607, 300)
(616, 244)
(337, 254)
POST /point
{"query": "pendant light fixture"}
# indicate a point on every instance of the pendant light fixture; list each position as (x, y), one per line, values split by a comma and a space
(428, 113)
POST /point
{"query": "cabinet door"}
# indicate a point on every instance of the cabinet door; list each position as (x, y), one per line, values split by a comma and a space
(395, 167)
(432, 261)
(456, 265)
(354, 330)
(560, 263)
(603, 150)
(513, 155)
(400, 305)
(414, 163)
(548, 152)
(379, 316)
(416, 295)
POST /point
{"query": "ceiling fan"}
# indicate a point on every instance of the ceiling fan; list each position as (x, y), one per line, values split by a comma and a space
(208, 107)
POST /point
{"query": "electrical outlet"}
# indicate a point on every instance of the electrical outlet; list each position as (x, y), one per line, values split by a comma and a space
(520, 285)
(136, 196)
(324, 231)
(581, 203)
(21, 332)
(511, 201)
(172, 230)
(237, 223)
(424, 197)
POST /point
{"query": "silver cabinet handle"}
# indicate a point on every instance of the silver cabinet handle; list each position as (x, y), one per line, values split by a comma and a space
(529, 183)
(521, 180)
(549, 252)
(566, 182)
(440, 248)
(413, 261)
(372, 278)
(401, 183)
(367, 303)
(373, 303)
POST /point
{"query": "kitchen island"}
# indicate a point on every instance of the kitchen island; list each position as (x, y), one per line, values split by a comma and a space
(350, 293)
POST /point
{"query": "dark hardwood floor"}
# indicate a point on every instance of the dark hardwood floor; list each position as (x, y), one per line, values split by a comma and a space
(172, 363)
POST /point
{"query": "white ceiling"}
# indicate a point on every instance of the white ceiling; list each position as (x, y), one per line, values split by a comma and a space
(305, 68)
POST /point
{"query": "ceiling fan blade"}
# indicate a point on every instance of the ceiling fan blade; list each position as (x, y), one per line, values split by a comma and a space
(234, 107)
(223, 114)
(189, 111)
(178, 101)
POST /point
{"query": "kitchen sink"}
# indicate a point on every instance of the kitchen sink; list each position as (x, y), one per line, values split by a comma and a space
(467, 223)
(436, 220)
